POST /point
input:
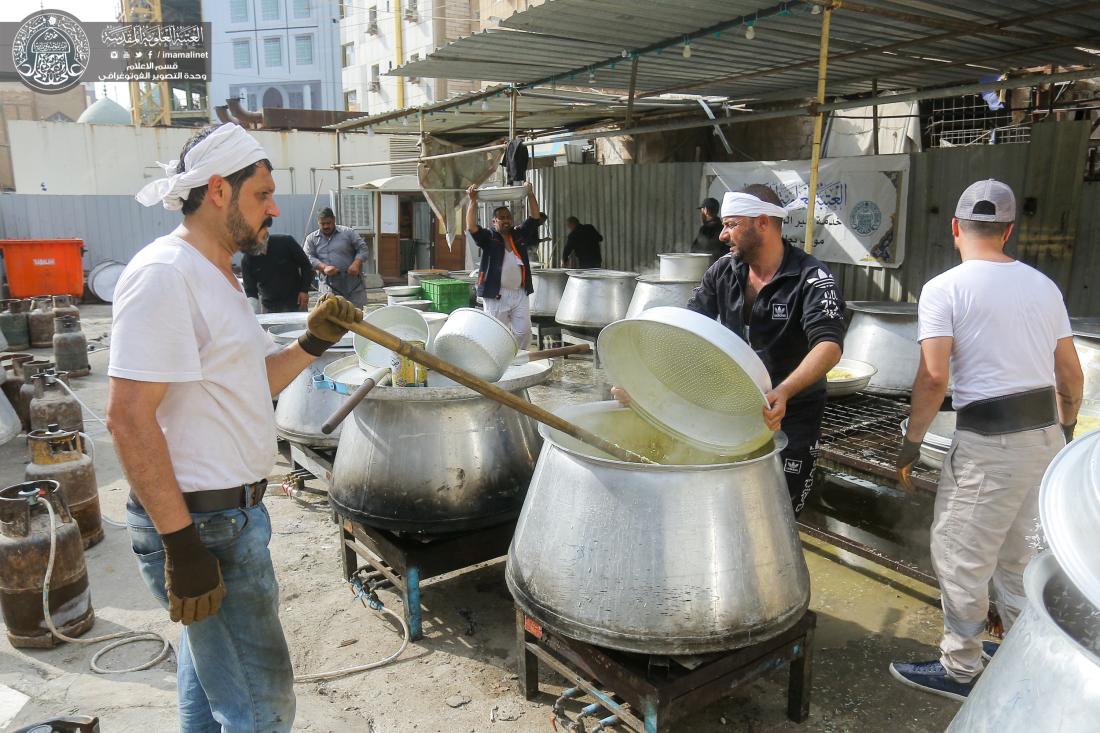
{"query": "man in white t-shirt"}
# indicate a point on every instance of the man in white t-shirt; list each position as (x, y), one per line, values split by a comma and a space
(192, 377)
(1000, 328)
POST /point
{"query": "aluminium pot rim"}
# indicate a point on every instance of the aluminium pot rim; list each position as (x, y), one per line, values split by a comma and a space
(1037, 576)
(883, 308)
(779, 442)
(658, 280)
(597, 274)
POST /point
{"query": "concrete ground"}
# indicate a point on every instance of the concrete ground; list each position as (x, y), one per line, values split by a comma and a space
(867, 618)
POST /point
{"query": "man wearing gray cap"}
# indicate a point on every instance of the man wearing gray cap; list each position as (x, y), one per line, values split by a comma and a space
(1000, 328)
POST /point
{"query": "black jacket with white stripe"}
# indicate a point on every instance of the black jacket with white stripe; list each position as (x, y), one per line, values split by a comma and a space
(798, 309)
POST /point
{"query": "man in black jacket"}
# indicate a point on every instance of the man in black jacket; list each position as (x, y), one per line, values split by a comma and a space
(504, 274)
(583, 241)
(709, 238)
(280, 277)
(785, 304)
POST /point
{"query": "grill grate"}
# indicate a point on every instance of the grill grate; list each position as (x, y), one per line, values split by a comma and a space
(864, 432)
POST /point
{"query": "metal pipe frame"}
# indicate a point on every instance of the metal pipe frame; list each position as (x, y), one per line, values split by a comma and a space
(819, 124)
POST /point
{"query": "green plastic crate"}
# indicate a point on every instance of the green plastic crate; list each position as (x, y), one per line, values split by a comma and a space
(446, 294)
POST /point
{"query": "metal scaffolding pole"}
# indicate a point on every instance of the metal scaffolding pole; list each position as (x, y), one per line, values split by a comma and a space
(819, 124)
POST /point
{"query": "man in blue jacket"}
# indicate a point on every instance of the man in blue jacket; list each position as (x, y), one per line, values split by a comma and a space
(504, 274)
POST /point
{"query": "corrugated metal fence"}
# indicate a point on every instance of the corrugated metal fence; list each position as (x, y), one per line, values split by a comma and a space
(116, 227)
(640, 210)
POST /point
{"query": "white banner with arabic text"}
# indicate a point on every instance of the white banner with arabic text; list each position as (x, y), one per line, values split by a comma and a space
(861, 203)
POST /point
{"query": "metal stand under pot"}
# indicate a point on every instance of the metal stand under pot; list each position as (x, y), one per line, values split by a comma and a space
(647, 694)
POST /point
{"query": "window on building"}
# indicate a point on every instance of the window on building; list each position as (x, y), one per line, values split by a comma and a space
(351, 101)
(242, 54)
(297, 100)
(269, 9)
(252, 102)
(375, 79)
(372, 20)
(347, 55)
(303, 50)
(273, 52)
(238, 11)
(303, 8)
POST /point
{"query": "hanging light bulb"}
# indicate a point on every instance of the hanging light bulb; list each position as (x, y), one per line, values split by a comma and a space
(591, 77)
(405, 121)
(625, 53)
(687, 49)
(485, 105)
(750, 31)
(370, 130)
(815, 10)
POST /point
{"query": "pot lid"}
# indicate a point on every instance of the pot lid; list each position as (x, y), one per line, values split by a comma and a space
(685, 255)
(883, 307)
(1069, 509)
(691, 376)
(103, 278)
(1086, 327)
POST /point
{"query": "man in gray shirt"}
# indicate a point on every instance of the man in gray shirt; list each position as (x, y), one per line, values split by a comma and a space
(338, 253)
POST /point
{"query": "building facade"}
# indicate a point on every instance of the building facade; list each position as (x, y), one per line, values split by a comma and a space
(377, 36)
(275, 53)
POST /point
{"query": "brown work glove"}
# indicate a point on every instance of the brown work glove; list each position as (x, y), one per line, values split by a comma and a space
(192, 577)
(907, 456)
(321, 332)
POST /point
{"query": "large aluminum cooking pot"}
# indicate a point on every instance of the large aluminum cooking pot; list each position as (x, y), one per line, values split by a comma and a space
(1043, 678)
(549, 284)
(885, 335)
(684, 265)
(651, 292)
(1086, 337)
(303, 406)
(656, 559)
(595, 298)
(433, 459)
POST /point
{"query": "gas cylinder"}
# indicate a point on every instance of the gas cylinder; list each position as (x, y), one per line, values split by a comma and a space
(52, 403)
(63, 306)
(26, 390)
(24, 552)
(41, 323)
(56, 455)
(70, 348)
(14, 326)
(13, 374)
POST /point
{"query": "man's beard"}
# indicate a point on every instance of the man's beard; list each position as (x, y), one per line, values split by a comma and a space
(505, 229)
(246, 239)
(748, 248)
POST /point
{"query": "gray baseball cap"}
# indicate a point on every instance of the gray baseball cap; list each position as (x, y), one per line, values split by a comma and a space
(988, 200)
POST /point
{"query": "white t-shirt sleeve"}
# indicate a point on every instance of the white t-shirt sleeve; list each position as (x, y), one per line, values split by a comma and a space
(935, 316)
(153, 336)
(1059, 316)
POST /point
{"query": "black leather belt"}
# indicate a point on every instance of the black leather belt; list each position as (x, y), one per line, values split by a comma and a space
(220, 500)
(1012, 413)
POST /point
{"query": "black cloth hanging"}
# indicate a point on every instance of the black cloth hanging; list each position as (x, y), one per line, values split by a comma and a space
(515, 160)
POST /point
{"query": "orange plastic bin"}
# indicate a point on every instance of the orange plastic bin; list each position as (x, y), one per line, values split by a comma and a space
(43, 267)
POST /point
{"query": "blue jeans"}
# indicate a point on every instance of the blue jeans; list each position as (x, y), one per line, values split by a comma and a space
(234, 673)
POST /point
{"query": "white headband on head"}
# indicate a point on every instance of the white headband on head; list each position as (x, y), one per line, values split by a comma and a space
(745, 204)
(223, 152)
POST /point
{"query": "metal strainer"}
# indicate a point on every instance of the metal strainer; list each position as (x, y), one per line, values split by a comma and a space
(691, 376)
